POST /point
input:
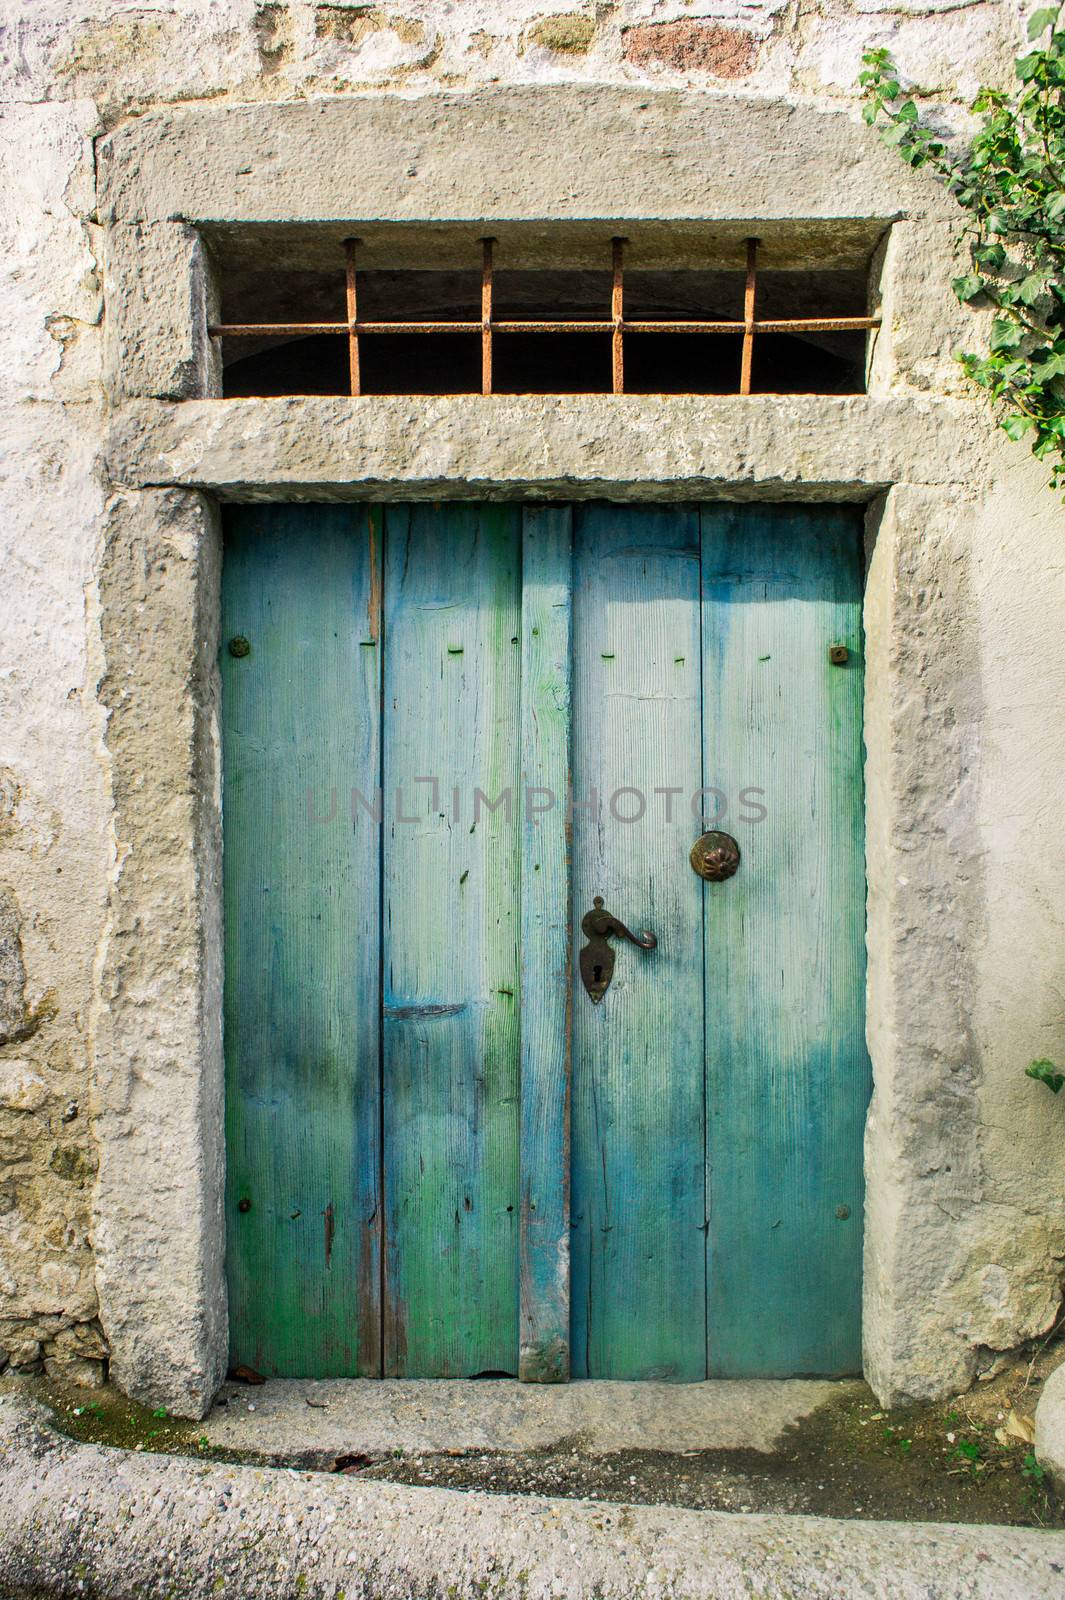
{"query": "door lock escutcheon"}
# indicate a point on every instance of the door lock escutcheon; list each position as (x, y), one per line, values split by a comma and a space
(597, 957)
(715, 856)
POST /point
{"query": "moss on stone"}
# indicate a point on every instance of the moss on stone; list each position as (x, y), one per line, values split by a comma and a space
(71, 1164)
(568, 33)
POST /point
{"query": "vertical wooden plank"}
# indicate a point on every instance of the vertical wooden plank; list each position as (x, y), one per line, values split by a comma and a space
(638, 1138)
(546, 966)
(301, 715)
(787, 1073)
(451, 906)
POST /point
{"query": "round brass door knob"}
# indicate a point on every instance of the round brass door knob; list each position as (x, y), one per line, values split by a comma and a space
(715, 856)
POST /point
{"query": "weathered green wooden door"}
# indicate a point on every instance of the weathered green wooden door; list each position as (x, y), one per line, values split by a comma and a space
(447, 730)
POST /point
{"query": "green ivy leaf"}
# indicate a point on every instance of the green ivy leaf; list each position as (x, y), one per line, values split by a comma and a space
(992, 256)
(1009, 183)
(1046, 1072)
(1032, 288)
(1046, 371)
(1005, 335)
(1041, 20)
(967, 288)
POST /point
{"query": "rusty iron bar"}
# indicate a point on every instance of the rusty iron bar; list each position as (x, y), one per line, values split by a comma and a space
(774, 325)
(486, 315)
(271, 330)
(617, 313)
(353, 316)
(749, 292)
(252, 330)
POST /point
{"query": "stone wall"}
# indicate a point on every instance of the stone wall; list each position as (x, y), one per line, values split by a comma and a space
(73, 70)
(114, 60)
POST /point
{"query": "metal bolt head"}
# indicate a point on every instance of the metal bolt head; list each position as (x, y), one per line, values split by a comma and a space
(843, 1212)
(244, 1204)
(239, 646)
(838, 654)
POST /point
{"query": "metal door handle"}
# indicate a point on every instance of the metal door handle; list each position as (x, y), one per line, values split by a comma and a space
(597, 957)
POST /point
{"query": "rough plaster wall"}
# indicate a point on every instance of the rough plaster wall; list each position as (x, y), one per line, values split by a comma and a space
(72, 69)
(54, 845)
(965, 1228)
(125, 57)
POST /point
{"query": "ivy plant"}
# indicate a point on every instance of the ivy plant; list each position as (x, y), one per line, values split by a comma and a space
(1010, 181)
(1046, 1072)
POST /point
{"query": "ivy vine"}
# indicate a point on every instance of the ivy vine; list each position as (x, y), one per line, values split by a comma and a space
(1011, 182)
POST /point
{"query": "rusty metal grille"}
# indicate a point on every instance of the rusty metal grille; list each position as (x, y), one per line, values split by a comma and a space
(617, 325)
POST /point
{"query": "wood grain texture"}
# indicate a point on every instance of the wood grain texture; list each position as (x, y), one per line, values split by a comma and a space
(638, 1140)
(788, 1077)
(450, 963)
(300, 726)
(546, 968)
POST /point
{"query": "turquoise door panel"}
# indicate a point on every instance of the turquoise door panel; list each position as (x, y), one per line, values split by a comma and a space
(787, 1074)
(638, 1213)
(546, 949)
(450, 894)
(302, 939)
(453, 727)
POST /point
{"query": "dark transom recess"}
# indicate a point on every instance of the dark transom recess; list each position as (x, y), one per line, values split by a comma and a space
(509, 348)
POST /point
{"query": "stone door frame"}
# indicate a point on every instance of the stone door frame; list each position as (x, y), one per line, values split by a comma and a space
(910, 454)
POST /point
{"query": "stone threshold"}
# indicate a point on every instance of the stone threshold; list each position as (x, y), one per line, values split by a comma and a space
(310, 1422)
(80, 1520)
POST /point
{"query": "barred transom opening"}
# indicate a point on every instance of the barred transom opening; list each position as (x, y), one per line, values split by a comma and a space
(501, 323)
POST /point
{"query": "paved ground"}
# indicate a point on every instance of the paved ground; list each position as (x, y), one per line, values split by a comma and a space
(312, 1422)
(85, 1521)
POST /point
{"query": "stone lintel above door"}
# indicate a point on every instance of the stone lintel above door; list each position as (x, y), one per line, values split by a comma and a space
(772, 447)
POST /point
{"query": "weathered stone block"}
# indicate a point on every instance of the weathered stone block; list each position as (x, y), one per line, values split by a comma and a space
(586, 445)
(468, 156)
(1050, 1428)
(84, 1339)
(160, 299)
(924, 325)
(24, 1354)
(12, 970)
(692, 47)
(76, 1369)
(21, 1089)
(158, 1100)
